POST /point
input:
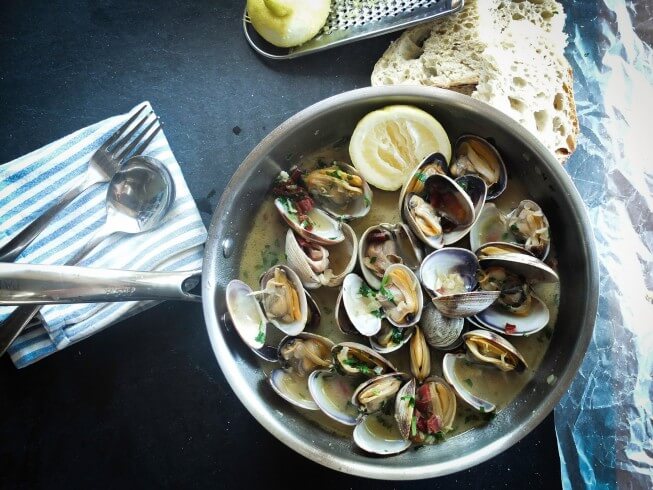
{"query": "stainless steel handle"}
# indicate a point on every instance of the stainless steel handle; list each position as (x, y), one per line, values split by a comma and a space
(17, 244)
(26, 284)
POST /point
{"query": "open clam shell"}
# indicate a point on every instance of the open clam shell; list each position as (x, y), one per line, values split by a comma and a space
(384, 244)
(490, 226)
(332, 394)
(390, 338)
(284, 299)
(340, 190)
(362, 309)
(322, 265)
(292, 388)
(522, 264)
(492, 249)
(441, 214)
(441, 332)
(319, 227)
(435, 163)
(500, 320)
(449, 370)
(374, 394)
(530, 227)
(379, 434)
(474, 155)
(449, 276)
(401, 296)
(246, 314)
(491, 349)
(405, 408)
(353, 359)
(476, 189)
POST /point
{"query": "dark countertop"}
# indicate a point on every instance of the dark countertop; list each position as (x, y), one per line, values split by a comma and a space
(144, 402)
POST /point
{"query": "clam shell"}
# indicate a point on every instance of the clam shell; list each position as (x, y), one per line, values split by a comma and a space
(525, 265)
(436, 163)
(405, 407)
(342, 260)
(490, 226)
(314, 314)
(504, 322)
(326, 230)
(408, 248)
(357, 308)
(497, 341)
(487, 151)
(461, 261)
(417, 290)
(304, 335)
(383, 444)
(246, 314)
(332, 394)
(342, 319)
(440, 331)
(376, 364)
(352, 210)
(540, 252)
(492, 249)
(392, 347)
(288, 387)
(292, 328)
(477, 191)
(420, 356)
(448, 369)
(378, 381)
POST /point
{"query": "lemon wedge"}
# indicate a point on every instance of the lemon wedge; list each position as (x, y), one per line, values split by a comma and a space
(389, 143)
(287, 23)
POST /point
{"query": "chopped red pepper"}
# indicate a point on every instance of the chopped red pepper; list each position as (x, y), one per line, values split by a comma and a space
(510, 328)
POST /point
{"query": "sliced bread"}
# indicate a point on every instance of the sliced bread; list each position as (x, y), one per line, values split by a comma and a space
(506, 53)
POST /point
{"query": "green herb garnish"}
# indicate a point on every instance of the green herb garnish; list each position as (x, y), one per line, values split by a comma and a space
(373, 259)
(413, 426)
(368, 203)
(377, 313)
(514, 228)
(411, 400)
(366, 291)
(420, 176)
(335, 174)
(468, 382)
(260, 337)
(397, 335)
(362, 368)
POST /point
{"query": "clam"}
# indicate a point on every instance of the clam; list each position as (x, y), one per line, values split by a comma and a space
(449, 370)
(401, 296)
(318, 265)
(530, 227)
(436, 163)
(314, 225)
(420, 356)
(442, 214)
(246, 314)
(332, 394)
(374, 394)
(488, 348)
(386, 244)
(476, 189)
(390, 338)
(353, 359)
(426, 413)
(340, 191)
(360, 306)
(379, 434)
(474, 155)
(521, 263)
(283, 299)
(526, 227)
(441, 332)
(449, 276)
(299, 356)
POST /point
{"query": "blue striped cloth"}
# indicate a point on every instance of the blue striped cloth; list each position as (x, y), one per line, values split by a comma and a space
(28, 185)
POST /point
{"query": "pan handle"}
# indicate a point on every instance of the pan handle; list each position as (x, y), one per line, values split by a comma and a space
(27, 284)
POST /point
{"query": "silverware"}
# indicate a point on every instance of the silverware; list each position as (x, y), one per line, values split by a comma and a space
(104, 163)
(33, 284)
(139, 196)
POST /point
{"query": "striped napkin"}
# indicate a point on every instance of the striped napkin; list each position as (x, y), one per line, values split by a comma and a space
(28, 185)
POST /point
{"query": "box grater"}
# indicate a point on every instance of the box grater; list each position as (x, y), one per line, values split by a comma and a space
(353, 20)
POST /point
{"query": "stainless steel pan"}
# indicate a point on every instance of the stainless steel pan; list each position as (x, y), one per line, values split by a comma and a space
(529, 161)
(329, 121)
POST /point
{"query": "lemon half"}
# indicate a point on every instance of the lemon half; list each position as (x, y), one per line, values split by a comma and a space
(389, 143)
(287, 23)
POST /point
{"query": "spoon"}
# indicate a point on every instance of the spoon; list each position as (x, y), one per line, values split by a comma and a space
(139, 196)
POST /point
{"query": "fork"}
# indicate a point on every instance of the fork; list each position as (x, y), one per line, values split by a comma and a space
(104, 163)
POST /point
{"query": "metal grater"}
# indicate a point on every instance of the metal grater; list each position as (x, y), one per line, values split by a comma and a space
(353, 20)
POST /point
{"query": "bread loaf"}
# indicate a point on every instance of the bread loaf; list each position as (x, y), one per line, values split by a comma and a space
(509, 54)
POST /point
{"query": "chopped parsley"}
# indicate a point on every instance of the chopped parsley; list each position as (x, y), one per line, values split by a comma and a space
(368, 202)
(413, 426)
(377, 313)
(366, 291)
(468, 382)
(287, 203)
(387, 293)
(481, 409)
(356, 364)
(268, 259)
(335, 174)
(397, 335)
(260, 337)
(373, 259)
(514, 228)
(411, 400)
(420, 176)
(463, 184)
